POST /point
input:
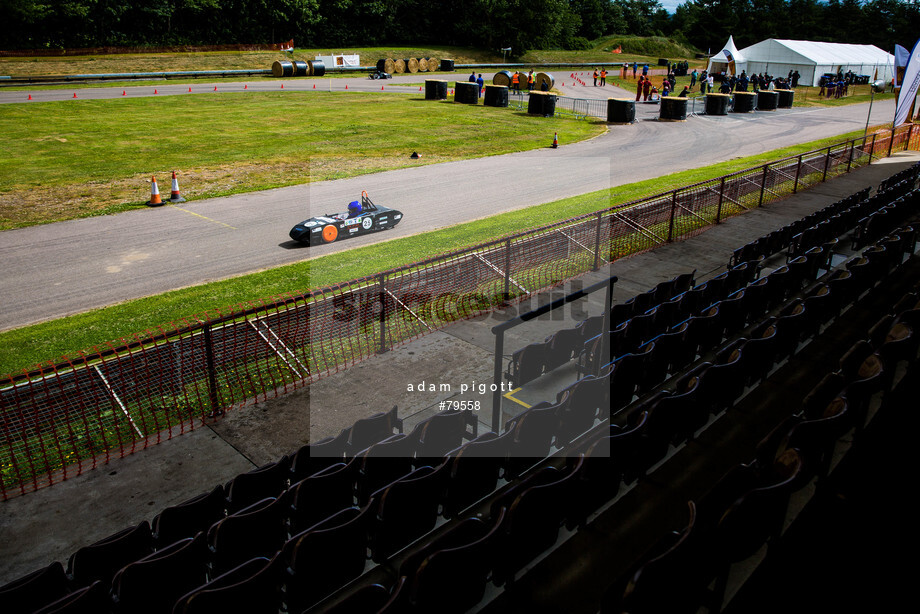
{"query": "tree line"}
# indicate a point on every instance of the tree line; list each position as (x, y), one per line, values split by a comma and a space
(489, 24)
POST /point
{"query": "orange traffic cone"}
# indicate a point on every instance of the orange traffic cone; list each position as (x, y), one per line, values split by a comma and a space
(154, 194)
(30, 96)
(381, 88)
(346, 86)
(215, 88)
(74, 94)
(555, 140)
(246, 87)
(155, 91)
(124, 93)
(174, 196)
(190, 90)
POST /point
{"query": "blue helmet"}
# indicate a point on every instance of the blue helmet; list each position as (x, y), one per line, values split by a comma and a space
(354, 207)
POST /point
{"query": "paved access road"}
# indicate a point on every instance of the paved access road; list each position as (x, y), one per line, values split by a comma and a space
(68, 267)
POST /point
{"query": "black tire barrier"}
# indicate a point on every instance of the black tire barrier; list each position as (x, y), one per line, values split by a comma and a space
(767, 100)
(673, 109)
(282, 68)
(446, 65)
(744, 102)
(301, 68)
(496, 96)
(466, 92)
(502, 77)
(317, 68)
(786, 98)
(621, 110)
(541, 103)
(435, 89)
(717, 104)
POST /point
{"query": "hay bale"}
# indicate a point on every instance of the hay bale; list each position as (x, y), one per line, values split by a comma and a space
(389, 65)
(411, 65)
(544, 82)
(422, 65)
(399, 66)
(282, 68)
(502, 77)
(434, 64)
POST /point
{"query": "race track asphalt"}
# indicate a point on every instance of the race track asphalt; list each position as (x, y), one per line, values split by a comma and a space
(69, 267)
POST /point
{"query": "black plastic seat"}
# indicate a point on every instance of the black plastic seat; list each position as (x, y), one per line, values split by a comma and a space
(324, 557)
(315, 457)
(527, 363)
(563, 346)
(87, 600)
(368, 431)
(36, 589)
(154, 583)
(253, 587)
(382, 464)
(475, 471)
(255, 531)
(100, 561)
(189, 517)
(323, 494)
(266, 481)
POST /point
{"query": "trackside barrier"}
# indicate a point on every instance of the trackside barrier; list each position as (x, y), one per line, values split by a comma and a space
(60, 420)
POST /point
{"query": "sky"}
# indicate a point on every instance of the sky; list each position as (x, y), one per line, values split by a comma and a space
(670, 5)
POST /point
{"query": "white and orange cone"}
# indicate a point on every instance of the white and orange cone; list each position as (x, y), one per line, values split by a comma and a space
(174, 196)
(154, 194)
(555, 140)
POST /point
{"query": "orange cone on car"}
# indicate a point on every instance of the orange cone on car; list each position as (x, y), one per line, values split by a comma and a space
(154, 193)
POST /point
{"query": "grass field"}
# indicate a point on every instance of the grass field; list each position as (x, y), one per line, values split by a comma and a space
(79, 158)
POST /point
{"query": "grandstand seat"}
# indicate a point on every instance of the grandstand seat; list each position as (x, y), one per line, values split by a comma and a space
(579, 405)
(723, 381)
(865, 375)
(534, 435)
(642, 302)
(704, 331)
(619, 313)
(452, 576)
(791, 324)
(323, 494)
(755, 299)
(87, 600)
(601, 475)
(189, 517)
(597, 350)
(153, 584)
(324, 557)
(671, 579)
(671, 346)
(267, 481)
(527, 363)
(760, 350)
(734, 314)
(843, 289)
(535, 514)
(590, 327)
(100, 560)
(35, 589)
(442, 433)
(675, 417)
(656, 365)
(819, 305)
(475, 471)
(368, 599)
(315, 457)
(255, 531)
(779, 282)
(381, 464)
(563, 346)
(252, 587)
(368, 431)
(407, 509)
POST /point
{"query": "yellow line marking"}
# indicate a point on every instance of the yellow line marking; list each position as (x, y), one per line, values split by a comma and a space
(204, 217)
(518, 401)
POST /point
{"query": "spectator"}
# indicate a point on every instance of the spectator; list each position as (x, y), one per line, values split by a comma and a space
(480, 83)
(472, 78)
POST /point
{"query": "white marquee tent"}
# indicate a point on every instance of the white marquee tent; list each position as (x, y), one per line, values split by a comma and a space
(729, 60)
(812, 59)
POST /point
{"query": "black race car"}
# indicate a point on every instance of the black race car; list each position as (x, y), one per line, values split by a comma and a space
(334, 226)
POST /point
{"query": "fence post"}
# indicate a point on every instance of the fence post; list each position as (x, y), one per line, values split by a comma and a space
(852, 145)
(383, 314)
(507, 293)
(891, 140)
(763, 184)
(827, 161)
(212, 374)
(673, 213)
(721, 196)
(798, 170)
(872, 149)
(597, 244)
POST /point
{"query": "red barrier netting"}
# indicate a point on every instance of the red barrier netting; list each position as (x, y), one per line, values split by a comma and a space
(60, 420)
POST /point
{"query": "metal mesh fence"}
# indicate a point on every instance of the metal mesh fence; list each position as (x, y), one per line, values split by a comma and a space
(58, 421)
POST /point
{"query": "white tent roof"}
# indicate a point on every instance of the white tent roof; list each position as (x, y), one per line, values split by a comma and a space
(813, 52)
(729, 53)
